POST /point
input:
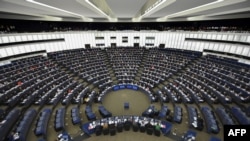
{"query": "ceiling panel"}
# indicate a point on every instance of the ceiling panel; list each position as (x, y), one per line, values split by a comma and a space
(72, 6)
(224, 9)
(125, 8)
(179, 5)
(22, 7)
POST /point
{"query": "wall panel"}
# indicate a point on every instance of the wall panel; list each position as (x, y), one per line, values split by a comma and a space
(233, 49)
(245, 50)
(12, 38)
(170, 39)
(5, 39)
(3, 52)
(9, 51)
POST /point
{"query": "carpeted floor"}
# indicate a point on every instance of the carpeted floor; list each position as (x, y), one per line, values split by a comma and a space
(138, 102)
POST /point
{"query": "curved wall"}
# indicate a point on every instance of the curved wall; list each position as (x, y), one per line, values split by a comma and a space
(239, 42)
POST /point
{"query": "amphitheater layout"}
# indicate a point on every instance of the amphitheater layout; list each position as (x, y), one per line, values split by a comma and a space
(123, 93)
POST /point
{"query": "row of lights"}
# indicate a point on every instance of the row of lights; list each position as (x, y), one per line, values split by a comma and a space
(156, 4)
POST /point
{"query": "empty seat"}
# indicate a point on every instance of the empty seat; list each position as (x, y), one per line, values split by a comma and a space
(41, 129)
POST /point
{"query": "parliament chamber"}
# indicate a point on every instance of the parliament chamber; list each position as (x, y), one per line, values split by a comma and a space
(171, 80)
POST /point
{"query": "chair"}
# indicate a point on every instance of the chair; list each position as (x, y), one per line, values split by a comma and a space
(98, 130)
(135, 127)
(126, 125)
(150, 131)
(157, 132)
(105, 131)
(112, 131)
(119, 127)
(142, 129)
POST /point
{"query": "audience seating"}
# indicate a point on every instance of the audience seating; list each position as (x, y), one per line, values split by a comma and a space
(210, 120)
(240, 116)
(125, 62)
(149, 112)
(163, 96)
(194, 119)
(177, 114)
(24, 125)
(214, 139)
(175, 97)
(9, 122)
(76, 119)
(38, 80)
(87, 64)
(42, 122)
(163, 112)
(189, 136)
(89, 113)
(225, 118)
(104, 112)
(59, 119)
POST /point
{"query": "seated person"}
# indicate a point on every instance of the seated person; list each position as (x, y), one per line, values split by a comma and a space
(149, 125)
(105, 125)
(157, 126)
(135, 123)
(16, 136)
(142, 123)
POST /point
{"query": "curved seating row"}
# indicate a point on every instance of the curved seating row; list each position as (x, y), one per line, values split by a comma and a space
(212, 138)
(177, 114)
(25, 78)
(193, 118)
(186, 97)
(104, 112)
(150, 112)
(212, 126)
(59, 119)
(163, 96)
(224, 116)
(9, 122)
(175, 97)
(76, 119)
(42, 123)
(240, 116)
(125, 61)
(163, 112)
(190, 89)
(90, 97)
(70, 95)
(89, 113)
(189, 136)
(81, 95)
(126, 86)
(24, 125)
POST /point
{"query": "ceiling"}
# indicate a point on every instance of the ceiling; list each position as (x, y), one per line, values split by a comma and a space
(124, 10)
